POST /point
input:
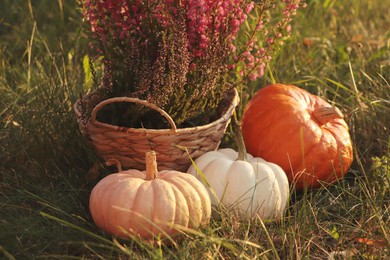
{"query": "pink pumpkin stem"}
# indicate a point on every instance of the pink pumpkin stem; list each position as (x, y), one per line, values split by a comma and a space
(113, 161)
(324, 114)
(151, 166)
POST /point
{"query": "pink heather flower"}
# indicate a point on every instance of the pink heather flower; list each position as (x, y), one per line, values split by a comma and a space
(259, 25)
(235, 24)
(249, 7)
(215, 30)
(253, 76)
(231, 66)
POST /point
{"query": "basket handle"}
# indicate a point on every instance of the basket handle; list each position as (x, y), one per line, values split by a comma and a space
(132, 100)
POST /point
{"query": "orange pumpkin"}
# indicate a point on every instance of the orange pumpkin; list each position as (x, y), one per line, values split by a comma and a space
(150, 203)
(300, 132)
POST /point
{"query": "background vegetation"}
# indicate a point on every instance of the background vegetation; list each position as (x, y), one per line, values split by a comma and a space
(339, 50)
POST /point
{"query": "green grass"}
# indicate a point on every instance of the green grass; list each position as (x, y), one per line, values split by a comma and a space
(44, 187)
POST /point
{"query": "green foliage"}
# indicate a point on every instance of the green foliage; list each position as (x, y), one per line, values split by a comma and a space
(44, 180)
(380, 170)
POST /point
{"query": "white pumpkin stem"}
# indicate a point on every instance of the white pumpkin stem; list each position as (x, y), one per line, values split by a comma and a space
(151, 165)
(242, 154)
(324, 114)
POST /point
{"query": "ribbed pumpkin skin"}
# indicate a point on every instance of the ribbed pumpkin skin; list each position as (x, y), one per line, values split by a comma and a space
(279, 125)
(124, 203)
(251, 187)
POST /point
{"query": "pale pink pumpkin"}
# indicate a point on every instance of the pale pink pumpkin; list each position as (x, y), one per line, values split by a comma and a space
(149, 203)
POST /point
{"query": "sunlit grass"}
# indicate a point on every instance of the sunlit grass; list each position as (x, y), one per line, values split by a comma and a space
(339, 50)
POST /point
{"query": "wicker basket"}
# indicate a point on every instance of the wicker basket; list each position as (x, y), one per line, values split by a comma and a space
(173, 147)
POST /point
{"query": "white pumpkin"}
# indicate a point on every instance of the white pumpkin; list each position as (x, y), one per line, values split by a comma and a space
(251, 186)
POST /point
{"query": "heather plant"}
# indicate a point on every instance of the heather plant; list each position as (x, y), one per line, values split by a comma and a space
(184, 55)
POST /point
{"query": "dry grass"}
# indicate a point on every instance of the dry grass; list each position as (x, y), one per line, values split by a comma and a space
(339, 50)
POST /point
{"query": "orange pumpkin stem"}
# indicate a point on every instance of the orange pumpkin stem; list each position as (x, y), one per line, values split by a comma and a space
(324, 114)
(151, 166)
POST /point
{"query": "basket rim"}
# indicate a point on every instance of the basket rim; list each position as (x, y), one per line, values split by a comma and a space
(101, 104)
(234, 100)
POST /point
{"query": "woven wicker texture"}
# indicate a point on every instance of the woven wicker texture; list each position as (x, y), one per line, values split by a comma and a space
(173, 147)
